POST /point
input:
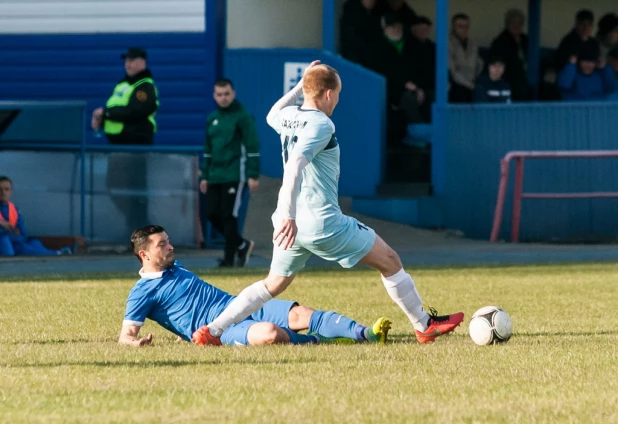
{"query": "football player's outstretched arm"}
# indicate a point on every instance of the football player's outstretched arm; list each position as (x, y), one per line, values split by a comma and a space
(128, 336)
(288, 99)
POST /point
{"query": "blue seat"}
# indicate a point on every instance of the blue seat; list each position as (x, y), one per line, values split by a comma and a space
(419, 135)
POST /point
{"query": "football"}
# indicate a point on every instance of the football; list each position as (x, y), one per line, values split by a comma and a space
(490, 325)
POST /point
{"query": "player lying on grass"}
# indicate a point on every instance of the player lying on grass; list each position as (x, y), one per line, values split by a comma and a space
(308, 220)
(180, 302)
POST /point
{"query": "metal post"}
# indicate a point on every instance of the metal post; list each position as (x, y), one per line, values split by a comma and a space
(517, 192)
(504, 179)
(534, 44)
(82, 200)
(438, 145)
(328, 25)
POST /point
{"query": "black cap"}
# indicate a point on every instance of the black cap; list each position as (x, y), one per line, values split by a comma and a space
(390, 19)
(584, 15)
(134, 53)
(495, 59)
(422, 20)
(588, 51)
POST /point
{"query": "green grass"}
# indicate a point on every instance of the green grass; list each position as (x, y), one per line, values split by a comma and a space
(59, 361)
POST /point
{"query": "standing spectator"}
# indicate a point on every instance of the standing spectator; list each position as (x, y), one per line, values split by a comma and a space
(423, 63)
(492, 88)
(231, 162)
(129, 119)
(587, 77)
(14, 238)
(512, 46)
(390, 57)
(607, 34)
(612, 61)
(360, 27)
(404, 13)
(569, 46)
(465, 65)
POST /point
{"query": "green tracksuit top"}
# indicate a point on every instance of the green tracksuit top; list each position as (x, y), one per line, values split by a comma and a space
(232, 148)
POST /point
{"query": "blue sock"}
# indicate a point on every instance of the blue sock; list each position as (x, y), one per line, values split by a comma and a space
(332, 324)
(296, 338)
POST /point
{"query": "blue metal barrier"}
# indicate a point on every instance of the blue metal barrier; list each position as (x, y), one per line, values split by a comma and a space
(360, 120)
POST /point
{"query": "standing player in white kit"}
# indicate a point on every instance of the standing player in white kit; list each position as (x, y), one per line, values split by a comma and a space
(308, 219)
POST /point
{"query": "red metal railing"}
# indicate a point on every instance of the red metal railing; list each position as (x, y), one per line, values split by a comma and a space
(518, 193)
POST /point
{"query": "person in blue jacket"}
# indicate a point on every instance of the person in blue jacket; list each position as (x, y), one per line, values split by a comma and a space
(14, 238)
(587, 77)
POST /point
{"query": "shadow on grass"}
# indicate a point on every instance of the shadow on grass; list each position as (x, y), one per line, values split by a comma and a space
(568, 333)
(166, 363)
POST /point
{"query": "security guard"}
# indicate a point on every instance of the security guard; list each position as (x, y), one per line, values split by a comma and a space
(129, 114)
(128, 118)
(231, 166)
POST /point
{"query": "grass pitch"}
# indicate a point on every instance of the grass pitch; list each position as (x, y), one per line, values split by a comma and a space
(59, 361)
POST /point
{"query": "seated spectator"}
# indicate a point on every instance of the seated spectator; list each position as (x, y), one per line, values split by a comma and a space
(512, 46)
(14, 238)
(587, 77)
(492, 88)
(607, 34)
(465, 65)
(571, 42)
(404, 13)
(390, 57)
(360, 27)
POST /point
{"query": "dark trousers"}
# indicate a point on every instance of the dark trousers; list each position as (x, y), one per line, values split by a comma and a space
(459, 94)
(127, 180)
(223, 203)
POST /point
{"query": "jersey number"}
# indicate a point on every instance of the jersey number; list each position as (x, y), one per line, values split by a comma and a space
(286, 142)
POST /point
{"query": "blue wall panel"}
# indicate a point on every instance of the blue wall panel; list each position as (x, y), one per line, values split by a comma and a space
(359, 118)
(87, 66)
(479, 135)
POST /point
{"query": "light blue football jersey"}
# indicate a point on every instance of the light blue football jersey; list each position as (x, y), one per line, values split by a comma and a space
(312, 133)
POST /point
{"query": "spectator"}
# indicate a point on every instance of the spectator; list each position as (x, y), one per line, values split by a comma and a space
(612, 61)
(404, 13)
(607, 34)
(390, 57)
(231, 162)
(492, 88)
(129, 119)
(587, 77)
(512, 46)
(423, 63)
(465, 65)
(571, 42)
(14, 238)
(360, 27)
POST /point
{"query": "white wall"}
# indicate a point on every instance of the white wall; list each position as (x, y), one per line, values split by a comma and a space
(298, 23)
(274, 23)
(107, 16)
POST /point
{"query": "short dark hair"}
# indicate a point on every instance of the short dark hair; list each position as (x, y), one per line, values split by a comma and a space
(5, 178)
(457, 16)
(584, 15)
(224, 82)
(139, 238)
(496, 59)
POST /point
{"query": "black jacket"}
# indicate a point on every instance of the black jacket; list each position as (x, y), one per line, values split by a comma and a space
(506, 47)
(137, 128)
(382, 57)
(569, 46)
(423, 63)
(488, 91)
(359, 29)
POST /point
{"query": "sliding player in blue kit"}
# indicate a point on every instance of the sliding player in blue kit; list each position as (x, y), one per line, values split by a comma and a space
(308, 220)
(180, 302)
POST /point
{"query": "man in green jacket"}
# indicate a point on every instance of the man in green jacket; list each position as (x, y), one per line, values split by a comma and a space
(231, 166)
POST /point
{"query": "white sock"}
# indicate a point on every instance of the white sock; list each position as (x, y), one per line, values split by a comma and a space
(248, 301)
(401, 289)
